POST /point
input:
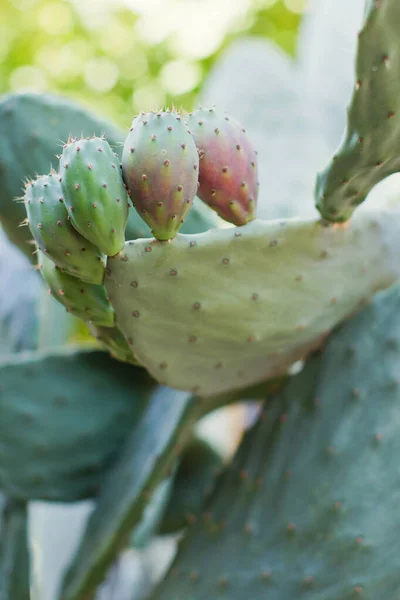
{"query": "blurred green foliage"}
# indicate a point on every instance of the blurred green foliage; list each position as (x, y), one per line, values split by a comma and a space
(123, 56)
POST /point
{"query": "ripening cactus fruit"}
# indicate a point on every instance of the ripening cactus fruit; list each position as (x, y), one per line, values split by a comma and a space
(54, 234)
(160, 167)
(228, 180)
(86, 301)
(94, 193)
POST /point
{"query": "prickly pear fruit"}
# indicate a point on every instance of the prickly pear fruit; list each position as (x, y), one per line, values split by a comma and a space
(160, 166)
(54, 234)
(87, 301)
(94, 193)
(228, 165)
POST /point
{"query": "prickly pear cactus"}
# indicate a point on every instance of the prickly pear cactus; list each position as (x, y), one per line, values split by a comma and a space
(216, 312)
(303, 501)
(160, 167)
(368, 152)
(193, 338)
(76, 409)
(228, 180)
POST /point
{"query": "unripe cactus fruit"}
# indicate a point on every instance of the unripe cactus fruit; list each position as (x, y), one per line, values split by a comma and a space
(94, 193)
(84, 300)
(160, 166)
(228, 165)
(54, 234)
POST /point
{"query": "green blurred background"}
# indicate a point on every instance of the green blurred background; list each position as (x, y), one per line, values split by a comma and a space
(123, 56)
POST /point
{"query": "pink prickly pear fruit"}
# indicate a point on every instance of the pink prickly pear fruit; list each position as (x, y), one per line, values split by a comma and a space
(160, 167)
(228, 180)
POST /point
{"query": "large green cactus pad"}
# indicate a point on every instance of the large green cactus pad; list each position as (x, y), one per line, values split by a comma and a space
(309, 509)
(369, 149)
(63, 418)
(227, 308)
(14, 552)
(32, 129)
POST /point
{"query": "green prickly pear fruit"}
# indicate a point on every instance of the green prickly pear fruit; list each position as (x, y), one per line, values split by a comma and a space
(87, 301)
(160, 166)
(54, 234)
(94, 193)
(228, 180)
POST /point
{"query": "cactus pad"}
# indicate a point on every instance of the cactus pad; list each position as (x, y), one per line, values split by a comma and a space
(308, 509)
(228, 165)
(75, 410)
(369, 150)
(160, 168)
(94, 193)
(54, 234)
(227, 308)
(84, 300)
(193, 481)
(151, 451)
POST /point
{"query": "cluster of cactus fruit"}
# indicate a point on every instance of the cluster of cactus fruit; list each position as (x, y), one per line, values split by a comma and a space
(154, 242)
(78, 216)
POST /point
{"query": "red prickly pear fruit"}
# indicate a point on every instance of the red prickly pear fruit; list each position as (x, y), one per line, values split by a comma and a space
(228, 180)
(160, 166)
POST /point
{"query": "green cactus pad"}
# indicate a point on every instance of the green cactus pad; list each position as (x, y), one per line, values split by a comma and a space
(228, 180)
(193, 481)
(227, 308)
(160, 167)
(152, 450)
(309, 508)
(54, 234)
(94, 193)
(84, 300)
(32, 130)
(14, 552)
(369, 150)
(113, 339)
(64, 416)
